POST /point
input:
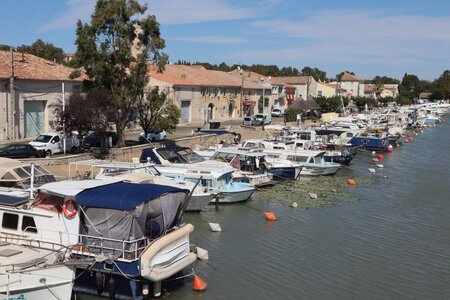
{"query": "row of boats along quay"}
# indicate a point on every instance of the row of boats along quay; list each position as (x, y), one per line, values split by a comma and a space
(123, 229)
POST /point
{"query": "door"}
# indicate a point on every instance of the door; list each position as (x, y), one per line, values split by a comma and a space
(185, 108)
(34, 117)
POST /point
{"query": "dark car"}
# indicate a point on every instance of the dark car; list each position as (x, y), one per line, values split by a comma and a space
(19, 151)
(93, 139)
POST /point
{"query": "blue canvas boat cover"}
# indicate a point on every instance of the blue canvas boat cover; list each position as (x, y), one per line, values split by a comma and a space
(123, 195)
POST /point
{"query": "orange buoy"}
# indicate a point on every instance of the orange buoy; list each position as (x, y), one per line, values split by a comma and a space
(380, 156)
(375, 160)
(351, 181)
(199, 284)
(406, 141)
(403, 136)
(411, 139)
(409, 134)
(270, 216)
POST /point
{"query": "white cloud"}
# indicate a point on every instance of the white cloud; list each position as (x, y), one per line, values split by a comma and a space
(368, 39)
(170, 12)
(210, 39)
(76, 10)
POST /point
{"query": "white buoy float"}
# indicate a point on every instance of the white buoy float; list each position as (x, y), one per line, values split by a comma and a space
(215, 227)
(313, 195)
(202, 253)
(380, 166)
(372, 170)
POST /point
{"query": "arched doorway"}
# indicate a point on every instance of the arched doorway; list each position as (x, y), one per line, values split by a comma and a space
(210, 111)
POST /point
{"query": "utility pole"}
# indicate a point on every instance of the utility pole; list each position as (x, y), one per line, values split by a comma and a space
(242, 91)
(64, 122)
(12, 101)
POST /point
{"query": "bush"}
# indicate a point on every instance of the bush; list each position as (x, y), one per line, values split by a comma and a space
(291, 114)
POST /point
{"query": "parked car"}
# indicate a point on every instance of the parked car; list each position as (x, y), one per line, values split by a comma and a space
(260, 118)
(249, 121)
(52, 143)
(93, 139)
(278, 112)
(19, 151)
(152, 136)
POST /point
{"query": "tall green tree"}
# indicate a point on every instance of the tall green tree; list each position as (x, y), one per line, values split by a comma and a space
(315, 73)
(104, 49)
(441, 86)
(43, 49)
(156, 112)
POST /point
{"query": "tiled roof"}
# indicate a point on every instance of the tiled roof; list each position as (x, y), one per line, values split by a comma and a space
(174, 80)
(293, 79)
(327, 84)
(199, 75)
(247, 83)
(27, 66)
(350, 77)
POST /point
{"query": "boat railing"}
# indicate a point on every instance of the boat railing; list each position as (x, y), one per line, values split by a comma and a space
(83, 244)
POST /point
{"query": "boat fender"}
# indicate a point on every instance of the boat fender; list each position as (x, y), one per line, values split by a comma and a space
(351, 181)
(270, 216)
(375, 159)
(389, 150)
(111, 287)
(411, 139)
(406, 141)
(202, 253)
(199, 284)
(380, 156)
(100, 280)
(70, 208)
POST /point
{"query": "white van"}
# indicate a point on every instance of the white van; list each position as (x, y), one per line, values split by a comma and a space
(260, 118)
(278, 112)
(52, 143)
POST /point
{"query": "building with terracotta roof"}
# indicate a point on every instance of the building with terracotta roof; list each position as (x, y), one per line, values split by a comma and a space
(387, 90)
(202, 95)
(29, 86)
(305, 86)
(353, 85)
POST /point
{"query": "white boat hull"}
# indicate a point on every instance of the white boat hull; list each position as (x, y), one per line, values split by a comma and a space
(233, 196)
(42, 283)
(198, 202)
(319, 170)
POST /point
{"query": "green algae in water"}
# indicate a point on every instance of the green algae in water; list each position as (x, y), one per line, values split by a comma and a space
(289, 191)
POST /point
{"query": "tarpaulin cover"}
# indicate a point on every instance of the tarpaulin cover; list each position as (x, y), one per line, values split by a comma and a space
(122, 195)
(118, 214)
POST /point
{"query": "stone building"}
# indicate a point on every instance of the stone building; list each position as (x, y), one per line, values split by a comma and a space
(29, 86)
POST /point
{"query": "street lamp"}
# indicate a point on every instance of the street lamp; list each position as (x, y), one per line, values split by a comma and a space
(242, 89)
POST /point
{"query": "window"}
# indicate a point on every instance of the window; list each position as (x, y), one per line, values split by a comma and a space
(76, 89)
(55, 139)
(178, 93)
(23, 147)
(224, 92)
(319, 93)
(193, 93)
(10, 221)
(28, 224)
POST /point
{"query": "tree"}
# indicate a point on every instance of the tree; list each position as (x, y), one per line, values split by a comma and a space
(291, 114)
(84, 113)
(441, 86)
(44, 50)
(362, 101)
(331, 104)
(104, 49)
(384, 80)
(155, 112)
(317, 74)
(260, 104)
(4, 47)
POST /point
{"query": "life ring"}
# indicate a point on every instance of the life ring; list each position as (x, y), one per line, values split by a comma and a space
(70, 208)
(383, 143)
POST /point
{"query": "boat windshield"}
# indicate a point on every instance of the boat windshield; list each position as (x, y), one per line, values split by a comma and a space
(180, 156)
(191, 156)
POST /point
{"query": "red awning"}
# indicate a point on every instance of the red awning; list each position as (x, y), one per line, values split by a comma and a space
(249, 102)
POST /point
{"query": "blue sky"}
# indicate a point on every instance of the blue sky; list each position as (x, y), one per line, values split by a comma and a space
(369, 38)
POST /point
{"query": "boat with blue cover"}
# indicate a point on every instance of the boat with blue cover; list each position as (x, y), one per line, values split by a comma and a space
(125, 238)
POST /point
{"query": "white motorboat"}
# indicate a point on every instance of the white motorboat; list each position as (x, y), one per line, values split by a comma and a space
(146, 173)
(216, 179)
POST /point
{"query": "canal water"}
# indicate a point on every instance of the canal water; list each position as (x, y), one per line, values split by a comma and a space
(384, 238)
